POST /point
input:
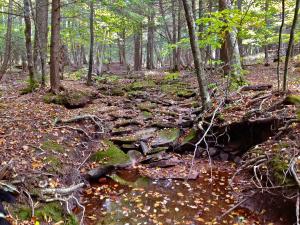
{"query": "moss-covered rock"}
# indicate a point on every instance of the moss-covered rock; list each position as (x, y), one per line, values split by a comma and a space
(110, 154)
(146, 106)
(280, 166)
(52, 211)
(141, 85)
(184, 93)
(70, 99)
(165, 137)
(189, 137)
(147, 115)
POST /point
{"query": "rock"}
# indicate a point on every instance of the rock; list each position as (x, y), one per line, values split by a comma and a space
(186, 93)
(212, 151)
(224, 156)
(163, 124)
(124, 123)
(237, 159)
(144, 148)
(110, 155)
(124, 139)
(129, 146)
(101, 171)
(157, 150)
(135, 156)
(145, 134)
(163, 164)
(165, 137)
(121, 130)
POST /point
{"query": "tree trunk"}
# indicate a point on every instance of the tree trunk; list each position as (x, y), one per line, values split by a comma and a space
(28, 42)
(290, 45)
(8, 44)
(150, 41)
(266, 47)
(201, 78)
(279, 42)
(54, 47)
(91, 60)
(174, 38)
(42, 34)
(137, 50)
(230, 49)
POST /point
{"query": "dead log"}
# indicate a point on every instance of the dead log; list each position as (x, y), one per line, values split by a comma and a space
(259, 87)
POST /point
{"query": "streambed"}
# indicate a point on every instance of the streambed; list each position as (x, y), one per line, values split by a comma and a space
(129, 198)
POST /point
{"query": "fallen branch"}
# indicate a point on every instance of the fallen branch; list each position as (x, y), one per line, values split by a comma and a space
(79, 130)
(63, 191)
(96, 120)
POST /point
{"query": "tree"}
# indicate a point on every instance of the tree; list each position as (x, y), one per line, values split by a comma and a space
(150, 40)
(280, 42)
(42, 34)
(54, 47)
(289, 49)
(28, 43)
(8, 44)
(205, 98)
(91, 60)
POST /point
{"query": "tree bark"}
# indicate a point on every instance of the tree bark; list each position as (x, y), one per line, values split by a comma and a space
(150, 41)
(290, 45)
(28, 42)
(8, 43)
(267, 21)
(42, 9)
(137, 49)
(54, 47)
(174, 38)
(201, 78)
(91, 60)
(280, 41)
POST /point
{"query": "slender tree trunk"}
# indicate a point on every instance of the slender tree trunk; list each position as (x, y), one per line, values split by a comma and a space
(280, 41)
(28, 42)
(8, 44)
(42, 9)
(201, 78)
(150, 41)
(91, 61)
(174, 38)
(54, 48)
(290, 45)
(137, 50)
(266, 47)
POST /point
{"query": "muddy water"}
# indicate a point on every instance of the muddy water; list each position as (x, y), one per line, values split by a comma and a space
(128, 198)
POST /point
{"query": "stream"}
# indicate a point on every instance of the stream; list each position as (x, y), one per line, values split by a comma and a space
(129, 198)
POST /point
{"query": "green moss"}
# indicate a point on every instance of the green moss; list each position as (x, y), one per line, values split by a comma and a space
(134, 94)
(171, 76)
(117, 92)
(170, 134)
(52, 211)
(54, 163)
(146, 106)
(185, 93)
(279, 167)
(293, 99)
(110, 155)
(147, 114)
(22, 213)
(51, 145)
(56, 99)
(141, 85)
(191, 135)
(31, 87)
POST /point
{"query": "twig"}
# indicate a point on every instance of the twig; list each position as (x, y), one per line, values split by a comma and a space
(294, 173)
(30, 202)
(297, 208)
(235, 206)
(203, 137)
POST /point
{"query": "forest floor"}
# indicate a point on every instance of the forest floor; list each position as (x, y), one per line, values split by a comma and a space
(153, 112)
